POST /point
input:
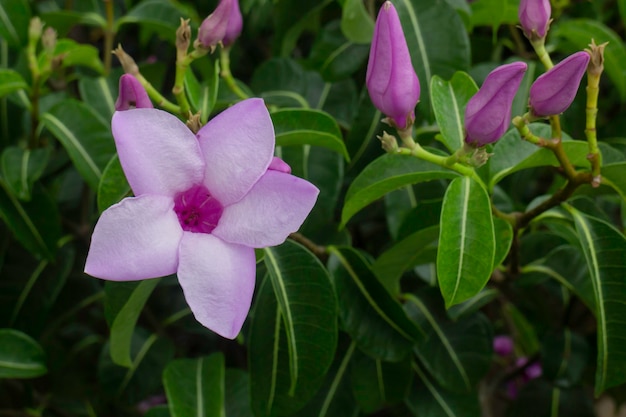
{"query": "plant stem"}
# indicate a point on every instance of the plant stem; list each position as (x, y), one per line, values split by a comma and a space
(539, 46)
(228, 76)
(591, 110)
(109, 34)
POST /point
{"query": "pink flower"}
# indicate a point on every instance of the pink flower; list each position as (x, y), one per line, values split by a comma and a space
(553, 92)
(534, 16)
(503, 345)
(202, 204)
(132, 94)
(222, 26)
(391, 80)
(488, 112)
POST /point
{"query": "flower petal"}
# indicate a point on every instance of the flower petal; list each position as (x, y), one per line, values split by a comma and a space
(238, 146)
(218, 281)
(159, 154)
(276, 206)
(135, 239)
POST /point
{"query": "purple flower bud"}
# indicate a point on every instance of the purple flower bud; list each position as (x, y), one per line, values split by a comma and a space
(488, 113)
(503, 345)
(213, 28)
(132, 94)
(553, 92)
(534, 16)
(235, 24)
(391, 80)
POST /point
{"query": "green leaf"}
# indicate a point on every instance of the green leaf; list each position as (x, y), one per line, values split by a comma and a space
(605, 251)
(203, 96)
(335, 57)
(566, 265)
(564, 357)
(36, 224)
(613, 176)
(113, 186)
(73, 54)
(437, 39)
(524, 332)
(308, 127)
(512, 154)
(494, 13)
(161, 15)
(22, 167)
(368, 313)
(416, 249)
(100, 93)
(503, 232)
(20, 355)
(64, 20)
(195, 387)
(14, 20)
(335, 397)
(237, 396)
(457, 353)
(290, 351)
(466, 241)
(305, 297)
(361, 140)
(124, 302)
(86, 138)
(159, 411)
(385, 174)
(11, 81)
(376, 383)
(579, 33)
(449, 99)
(356, 24)
(542, 398)
(291, 18)
(429, 399)
(473, 304)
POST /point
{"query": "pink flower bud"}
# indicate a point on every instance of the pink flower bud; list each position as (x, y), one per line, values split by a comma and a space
(488, 113)
(235, 24)
(534, 16)
(503, 345)
(132, 94)
(553, 92)
(222, 26)
(391, 80)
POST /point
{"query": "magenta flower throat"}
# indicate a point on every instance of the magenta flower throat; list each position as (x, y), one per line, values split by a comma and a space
(198, 211)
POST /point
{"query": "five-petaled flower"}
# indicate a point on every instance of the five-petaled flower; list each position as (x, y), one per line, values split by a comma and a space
(202, 204)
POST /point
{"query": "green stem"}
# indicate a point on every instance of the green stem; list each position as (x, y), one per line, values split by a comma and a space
(156, 96)
(183, 61)
(595, 157)
(228, 76)
(31, 54)
(109, 34)
(540, 48)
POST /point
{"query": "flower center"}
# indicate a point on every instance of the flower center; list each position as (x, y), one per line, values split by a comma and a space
(198, 211)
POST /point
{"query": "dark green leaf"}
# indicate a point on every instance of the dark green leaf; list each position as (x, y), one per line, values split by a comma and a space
(305, 298)
(14, 19)
(580, 32)
(73, 54)
(100, 93)
(449, 99)
(20, 355)
(270, 357)
(22, 167)
(63, 20)
(36, 224)
(415, 249)
(437, 39)
(385, 174)
(113, 186)
(367, 311)
(195, 387)
(376, 383)
(494, 13)
(564, 357)
(457, 353)
(473, 304)
(334, 56)
(605, 251)
(503, 232)
(161, 15)
(308, 127)
(613, 176)
(291, 18)
(237, 397)
(512, 154)
(429, 399)
(541, 398)
(361, 140)
(124, 302)
(356, 24)
(10, 81)
(524, 332)
(86, 138)
(466, 241)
